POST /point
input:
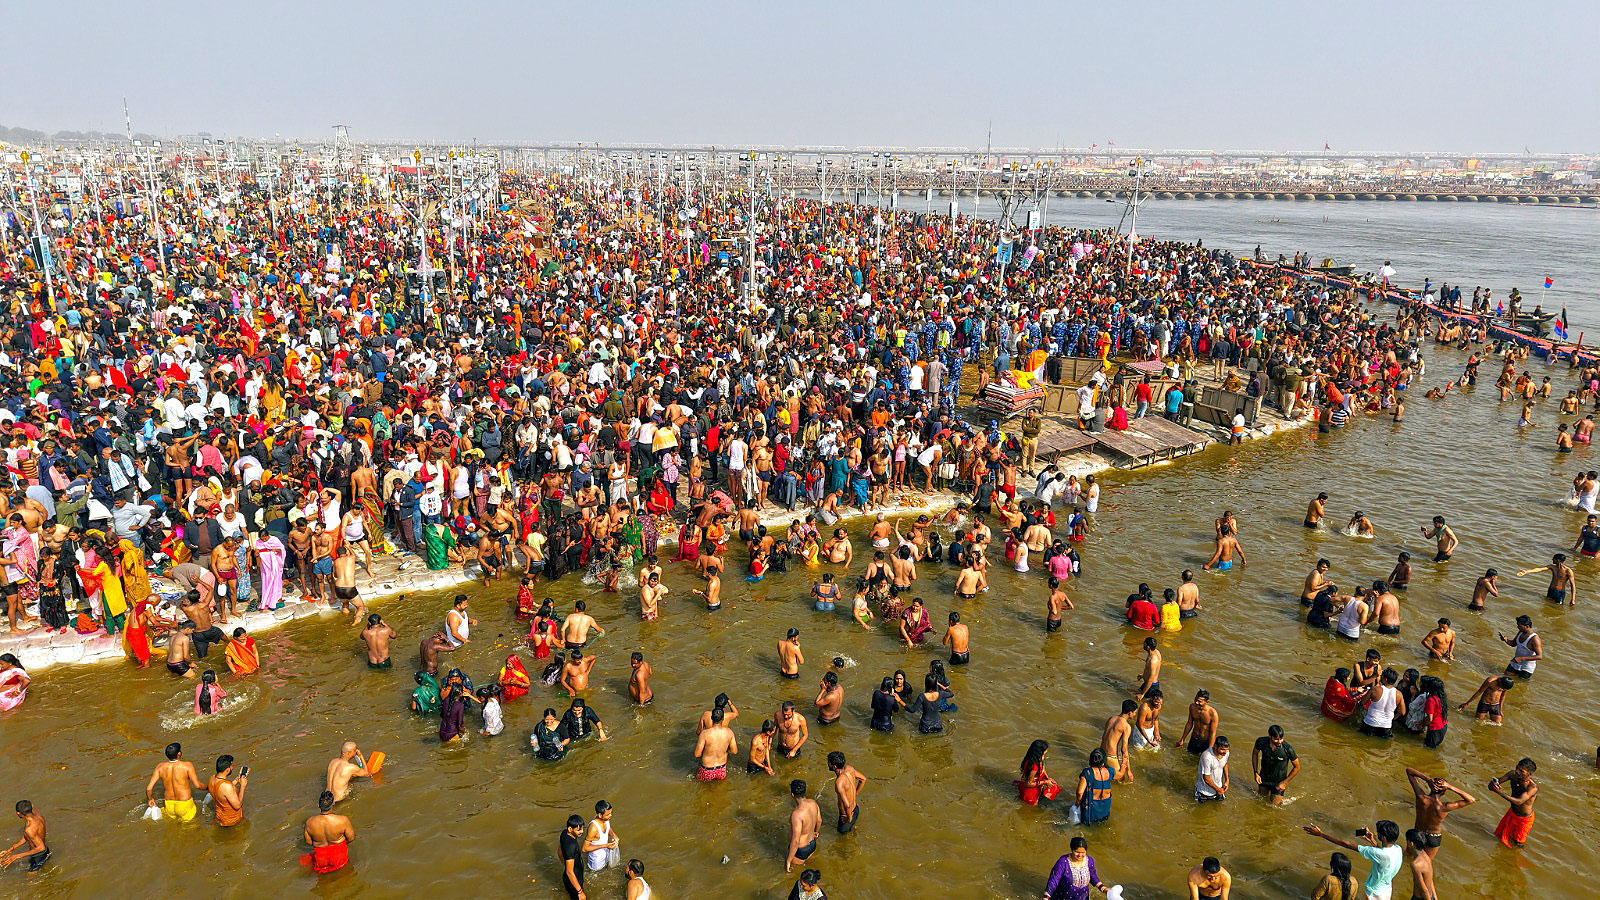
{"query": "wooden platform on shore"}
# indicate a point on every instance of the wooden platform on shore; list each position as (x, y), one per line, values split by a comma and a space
(1150, 440)
(1062, 441)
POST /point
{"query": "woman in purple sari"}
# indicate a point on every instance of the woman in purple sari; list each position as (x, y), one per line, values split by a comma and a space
(1074, 875)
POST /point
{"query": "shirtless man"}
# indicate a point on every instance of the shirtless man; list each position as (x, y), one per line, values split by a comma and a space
(650, 594)
(1432, 807)
(1491, 697)
(830, 699)
(969, 581)
(847, 783)
(225, 568)
(1441, 642)
(1563, 586)
(639, 682)
(1316, 581)
(432, 646)
(1114, 740)
(1188, 596)
(805, 823)
(957, 639)
(761, 749)
(180, 651)
(1227, 546)
(1150, 678)
(377, 636)
(329, 836)
(344, 584)
(1210, 881)
(178, 781)
(1200, 730)
(1448, 542)
(713, 589)
(300, 544)
(1314, 511)
(1360, 525)
(1057, 602)
(1386, 608)
(575, 628)
(729, 712)
(838, 548)
(713, 748)
(321, 564)
(902, 568)
(1518, 820)
(575, 674)
(790, 659)
(1037, 537)
(792, 731)
(1400, 575)
(1147, 724)
(32, 843)
(1487, 586)
(347, 765)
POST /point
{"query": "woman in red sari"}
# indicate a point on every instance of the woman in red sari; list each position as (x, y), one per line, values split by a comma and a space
(513, 679)
(136, 637)
(688, 543)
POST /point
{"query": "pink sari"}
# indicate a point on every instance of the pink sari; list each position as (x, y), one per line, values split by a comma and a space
(272, 555)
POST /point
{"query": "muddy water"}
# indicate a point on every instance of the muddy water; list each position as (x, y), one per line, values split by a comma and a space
(939, 817)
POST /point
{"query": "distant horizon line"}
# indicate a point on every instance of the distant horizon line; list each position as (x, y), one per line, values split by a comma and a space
(27, 136)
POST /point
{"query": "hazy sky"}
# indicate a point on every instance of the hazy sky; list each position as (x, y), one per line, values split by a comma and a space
(1222, 74)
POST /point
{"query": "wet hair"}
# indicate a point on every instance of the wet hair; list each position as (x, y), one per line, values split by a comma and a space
(224, 762)
(1524, 621)
(887, 684)
(810, 876)
(794, 633)
(1129, 706)
(1211, 865)
(550, 711)
(325, 801)
(635, 867)
(1416, 838)
(1150, 642)
(1390, 676)
(1404, 557)
(721, 701)
(1275, 732)
(1505, 682)
(955, 617)
(797, 788)
(24, 807)
(1097, 757)
(836, 760)
(768, 726)
(374, 619)
(173, 749)
(580, 606)
(601, 806)
(1527, 765)
(830, 678)
(1339, 865)
(462, 598)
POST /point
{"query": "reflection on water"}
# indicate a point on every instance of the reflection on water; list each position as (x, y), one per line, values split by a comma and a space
(938, 810)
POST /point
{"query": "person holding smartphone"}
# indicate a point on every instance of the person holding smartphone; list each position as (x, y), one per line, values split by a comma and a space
(1381, 851)
(227, 794)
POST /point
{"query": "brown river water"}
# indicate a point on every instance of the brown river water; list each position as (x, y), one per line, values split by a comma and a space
(940, 817)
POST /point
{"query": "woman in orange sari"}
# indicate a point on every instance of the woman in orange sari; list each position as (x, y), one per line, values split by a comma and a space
(514, 681)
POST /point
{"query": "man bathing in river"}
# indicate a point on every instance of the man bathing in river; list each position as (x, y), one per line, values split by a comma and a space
(847, 783)
(1563, 586)
(792, 731)
(1446, 537)
(713, 748)
(1227, 546)
(805, 824)
(178, 781)
(377, 636)
(1432, 807)
(347, 765)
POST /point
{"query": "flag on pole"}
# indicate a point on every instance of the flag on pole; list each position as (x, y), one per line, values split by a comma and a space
(1561, 323)
(1549, 282)
(1500, 309)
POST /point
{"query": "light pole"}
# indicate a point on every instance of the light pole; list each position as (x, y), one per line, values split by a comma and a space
(46, 257)
(155, 203)
(1133, 213)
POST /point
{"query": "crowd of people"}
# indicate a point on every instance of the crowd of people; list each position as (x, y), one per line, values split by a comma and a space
(268, 398)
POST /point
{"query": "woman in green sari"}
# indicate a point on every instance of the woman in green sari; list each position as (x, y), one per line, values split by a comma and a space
(439, 544)
(633, 538)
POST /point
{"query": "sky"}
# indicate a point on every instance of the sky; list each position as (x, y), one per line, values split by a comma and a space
(1220, 75)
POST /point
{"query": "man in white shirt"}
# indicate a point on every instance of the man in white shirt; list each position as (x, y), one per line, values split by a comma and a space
(1211, 782)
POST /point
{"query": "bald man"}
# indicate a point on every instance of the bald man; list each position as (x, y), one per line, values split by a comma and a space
(347, 765)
